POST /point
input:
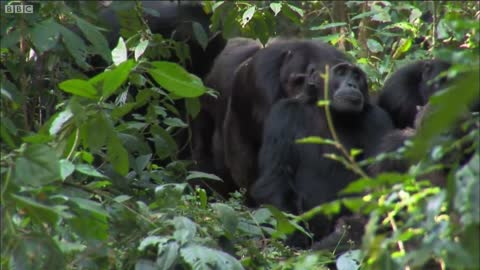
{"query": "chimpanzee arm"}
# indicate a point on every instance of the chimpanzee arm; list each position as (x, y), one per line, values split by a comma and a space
(278, 158)
(377, 125)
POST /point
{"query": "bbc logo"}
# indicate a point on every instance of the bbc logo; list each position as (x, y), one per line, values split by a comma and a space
(18, 8)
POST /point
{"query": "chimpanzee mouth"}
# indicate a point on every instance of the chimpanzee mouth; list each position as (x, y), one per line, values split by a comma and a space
(348, 103)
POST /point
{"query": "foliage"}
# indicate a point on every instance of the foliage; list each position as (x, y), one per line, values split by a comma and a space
(93, 176)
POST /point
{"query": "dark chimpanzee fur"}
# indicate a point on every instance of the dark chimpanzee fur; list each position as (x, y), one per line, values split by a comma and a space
(273, 73)
(396, 139)
(207, 127)
(297, 177)
(409, 87)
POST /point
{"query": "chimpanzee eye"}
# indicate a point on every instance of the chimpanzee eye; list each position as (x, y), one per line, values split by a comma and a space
(340, 72)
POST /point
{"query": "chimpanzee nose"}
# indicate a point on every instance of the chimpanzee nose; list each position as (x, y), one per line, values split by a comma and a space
(352, 85)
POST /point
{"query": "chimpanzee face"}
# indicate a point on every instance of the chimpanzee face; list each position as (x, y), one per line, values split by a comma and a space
(348, 88)
(434, 78)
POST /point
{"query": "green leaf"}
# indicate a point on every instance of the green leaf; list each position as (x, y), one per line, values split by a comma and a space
(96, 38)
(144, 264)
(45, 35)
(75, 46)
(165, 145)
(142, 161)
(120, 53)
(200, 35)
(39, 212)
(449, 105)
(88, 169)
(95, 132)
(228, 217)
(185, 230)
(174, 122)
(402, 49)
(297, 10)
(122, 198)
(193, 106)
(355, 152)
(90, 206)
(404, 26)
(374, 46)
(176, 79)
(284, 226)
(327, 26)
(117, 155)
(90, 219)
(119, 112)
(168, 195)
(382, 16)
(116, 77)
(363, 15)
(140, 48)
(66, 168)
(38, 165)
(196, 175)
(167, 254)
(79, 87)
(316, 140)
(202, 196)
(201, 257)
(152, 241)
(248, 15)
(276, 8)
(42, 253)
(349, 260)
(467, 197)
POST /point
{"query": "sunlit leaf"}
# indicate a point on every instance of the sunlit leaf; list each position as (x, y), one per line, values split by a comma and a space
(119, 53)
(116, 77)
(248, 15)
(79, 87)
(176, 79)
(140, 48)
(276, 8)
(66, 168)
(196, 175)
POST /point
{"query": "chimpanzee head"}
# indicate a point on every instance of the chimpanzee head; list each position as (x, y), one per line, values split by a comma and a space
(299, 59)
(434, 78)
(348, 88)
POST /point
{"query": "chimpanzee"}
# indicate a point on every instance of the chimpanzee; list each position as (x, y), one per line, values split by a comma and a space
(275, 72)
(297, 177)
(172, 19)
(393, 141)
(397, 138)
(412, 86)
(207, 127)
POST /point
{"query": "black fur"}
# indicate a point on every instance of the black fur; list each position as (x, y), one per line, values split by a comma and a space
(297, 177)
(273, 73)
(409, 87)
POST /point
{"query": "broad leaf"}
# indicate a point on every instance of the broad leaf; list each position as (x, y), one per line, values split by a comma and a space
(201, 257)
(176, 79)
(38, 165)
(79, 87)
(119, 53)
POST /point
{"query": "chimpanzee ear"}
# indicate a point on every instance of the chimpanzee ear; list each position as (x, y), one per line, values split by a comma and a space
(295, 84)
(286, 55)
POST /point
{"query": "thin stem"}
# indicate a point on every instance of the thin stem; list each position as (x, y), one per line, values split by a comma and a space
(333, 132)
(75, 143)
